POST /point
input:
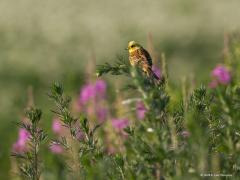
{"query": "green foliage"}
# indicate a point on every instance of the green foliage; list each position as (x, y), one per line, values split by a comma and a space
(148, 142)
(157, 147)
(197, 134)
(29, 162)
(62, 103)
(121, 66)
(90, 154)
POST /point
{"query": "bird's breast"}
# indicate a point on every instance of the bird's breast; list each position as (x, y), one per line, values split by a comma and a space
(134, 54)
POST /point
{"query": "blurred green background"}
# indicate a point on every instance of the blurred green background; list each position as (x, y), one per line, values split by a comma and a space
(44, 41)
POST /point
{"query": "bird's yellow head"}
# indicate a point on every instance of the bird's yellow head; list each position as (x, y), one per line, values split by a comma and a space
(132, 46)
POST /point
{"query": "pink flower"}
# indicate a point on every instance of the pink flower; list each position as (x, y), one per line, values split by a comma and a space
(101, 114)
(87, 92)
(80, 135)
(221, 74)
(56, 148)
(57, 126)
(100, 87)
(185, 134)
(23, 135)
(91, 91)
(92, 98)
(213, 84)
(18, 148)
(21, 145)
(141, 110)
(120, 123)
(157, 71)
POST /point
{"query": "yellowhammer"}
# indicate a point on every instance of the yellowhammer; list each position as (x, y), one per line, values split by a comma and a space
(138, 56)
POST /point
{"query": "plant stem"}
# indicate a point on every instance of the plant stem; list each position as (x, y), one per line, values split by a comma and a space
(35, 160)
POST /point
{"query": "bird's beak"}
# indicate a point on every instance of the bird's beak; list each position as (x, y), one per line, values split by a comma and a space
(126, 49)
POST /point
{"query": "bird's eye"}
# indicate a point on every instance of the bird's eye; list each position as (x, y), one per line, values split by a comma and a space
(132, 46)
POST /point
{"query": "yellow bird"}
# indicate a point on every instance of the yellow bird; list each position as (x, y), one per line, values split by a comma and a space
(138, 56)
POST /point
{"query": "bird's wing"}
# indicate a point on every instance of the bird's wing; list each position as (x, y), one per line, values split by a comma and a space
(145, 55)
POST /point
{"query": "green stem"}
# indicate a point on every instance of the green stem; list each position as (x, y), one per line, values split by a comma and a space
(120, 169)
(35, 160)
(222, 100)
(229, 118)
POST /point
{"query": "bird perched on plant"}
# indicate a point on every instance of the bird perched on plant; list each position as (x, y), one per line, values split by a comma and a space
(138, 56)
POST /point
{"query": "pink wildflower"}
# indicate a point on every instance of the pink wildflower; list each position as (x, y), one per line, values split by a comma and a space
(91, 91)
(157, 71)
(87, 92)
(21, 145)
(101, 114)
(222, 74)
(120, 124)
(56, 148)
(57, 126)
(80, 134)
(100, 88)
(141, 110)
(213, 84)
(185, 134)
